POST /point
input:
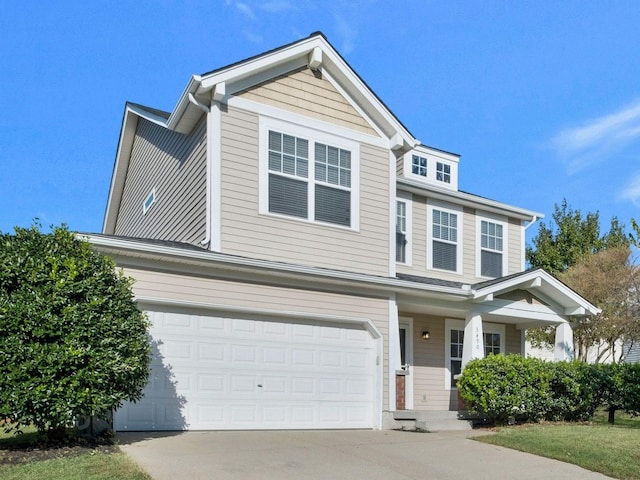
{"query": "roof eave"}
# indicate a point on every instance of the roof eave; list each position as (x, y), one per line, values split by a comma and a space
(468, 200)
(205, 259)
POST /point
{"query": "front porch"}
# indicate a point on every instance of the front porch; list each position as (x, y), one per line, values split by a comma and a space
(435, 337)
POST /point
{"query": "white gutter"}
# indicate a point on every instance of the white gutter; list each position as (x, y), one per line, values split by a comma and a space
(467, 199)
(531, 222)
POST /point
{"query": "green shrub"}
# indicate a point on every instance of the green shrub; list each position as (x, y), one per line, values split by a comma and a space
(530, 390)
(73, 342)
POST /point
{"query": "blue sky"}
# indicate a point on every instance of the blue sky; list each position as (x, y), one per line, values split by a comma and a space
(540, 99)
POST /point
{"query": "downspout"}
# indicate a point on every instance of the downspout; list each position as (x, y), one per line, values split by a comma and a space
(207, 111)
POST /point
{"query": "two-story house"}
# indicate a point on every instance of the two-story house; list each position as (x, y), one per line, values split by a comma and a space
(305, 261)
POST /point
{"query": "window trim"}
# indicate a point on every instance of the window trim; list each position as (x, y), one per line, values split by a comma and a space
(451, 209)
(457, 324)
(407, 199)
(480, 217)
(313, 136)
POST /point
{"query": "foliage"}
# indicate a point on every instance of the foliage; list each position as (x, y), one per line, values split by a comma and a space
(596, 266)
(73, 342)
(530, 389)
(571, 237)
(608, 280)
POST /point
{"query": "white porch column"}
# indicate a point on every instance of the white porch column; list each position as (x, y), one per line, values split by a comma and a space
(394, 351)
(563, 349)
(473, 346)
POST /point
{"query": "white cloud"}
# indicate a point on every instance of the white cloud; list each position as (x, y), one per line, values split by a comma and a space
(246, 10)
(632, 190)
(598, 139)
(347, 32)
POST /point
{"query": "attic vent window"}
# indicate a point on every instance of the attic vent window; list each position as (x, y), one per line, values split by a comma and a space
(151, 198)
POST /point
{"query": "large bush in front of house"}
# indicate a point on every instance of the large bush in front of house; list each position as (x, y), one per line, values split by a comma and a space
(72, 340)
(512, 387)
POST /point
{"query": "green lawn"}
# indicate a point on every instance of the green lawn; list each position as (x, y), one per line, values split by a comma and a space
(22, 459)
(612, 450)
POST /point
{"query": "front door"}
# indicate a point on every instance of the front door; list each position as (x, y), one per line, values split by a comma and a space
(406, 358)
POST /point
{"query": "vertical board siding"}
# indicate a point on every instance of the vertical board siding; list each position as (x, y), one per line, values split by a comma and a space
(170, 286)
(308, 94)
(246, 232)
(175, 165)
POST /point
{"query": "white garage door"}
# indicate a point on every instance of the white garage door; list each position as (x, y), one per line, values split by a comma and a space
(220, 373)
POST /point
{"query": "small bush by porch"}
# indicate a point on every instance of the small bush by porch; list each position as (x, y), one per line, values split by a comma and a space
(511, 388)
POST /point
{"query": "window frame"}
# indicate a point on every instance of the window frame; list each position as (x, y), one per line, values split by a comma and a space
(484, 217)
(452, 210)
(313, 136)
(407, 199)
(457, 324)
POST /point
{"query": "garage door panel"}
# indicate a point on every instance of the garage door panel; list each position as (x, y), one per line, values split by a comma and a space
(244, 373)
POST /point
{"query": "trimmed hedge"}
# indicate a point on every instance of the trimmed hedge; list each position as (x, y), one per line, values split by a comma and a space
(529, 389)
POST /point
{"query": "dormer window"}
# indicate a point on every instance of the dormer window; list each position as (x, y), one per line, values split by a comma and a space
(443, 172)
(419, 165)
(431, 166)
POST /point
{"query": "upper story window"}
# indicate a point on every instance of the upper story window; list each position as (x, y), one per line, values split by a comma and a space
(149, 201)
(308, 175)
(431, 166)
(491, 249)
(401, 231)
(444, 240)
(403, 228)
(288, 172)
(419, 165)
(443, 172)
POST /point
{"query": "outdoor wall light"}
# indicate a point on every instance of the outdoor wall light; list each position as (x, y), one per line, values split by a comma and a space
(426, 335)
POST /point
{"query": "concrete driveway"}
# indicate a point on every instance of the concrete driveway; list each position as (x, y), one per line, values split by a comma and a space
(344, 454)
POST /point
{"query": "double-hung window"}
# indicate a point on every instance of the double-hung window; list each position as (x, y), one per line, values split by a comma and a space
(333, 185)
(288, 173)
(491, 249)
(308, 175)
(444, 230)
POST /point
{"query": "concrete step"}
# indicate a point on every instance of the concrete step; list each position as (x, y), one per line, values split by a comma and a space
(431, 421)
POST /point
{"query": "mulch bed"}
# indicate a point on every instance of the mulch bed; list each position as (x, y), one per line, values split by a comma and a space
(12, 454)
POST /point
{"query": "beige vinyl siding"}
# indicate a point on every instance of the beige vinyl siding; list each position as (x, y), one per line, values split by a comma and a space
(246, 232)
(172, 286)
(399, 165)
(175, 165)
(515, 240)
(429, 369)
(468, 245)
(308, 94)
(429, 365)
(421, 245)
(513, 342)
